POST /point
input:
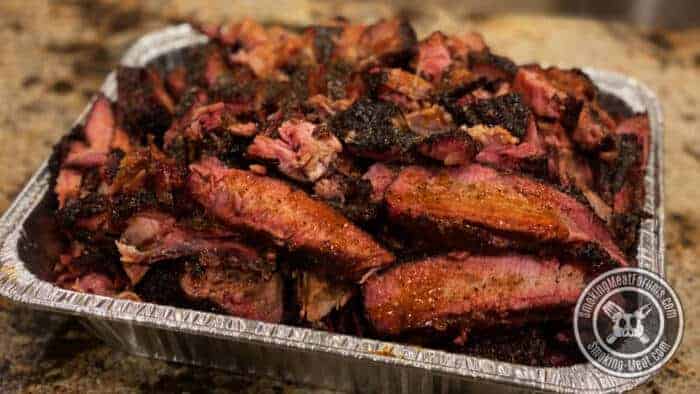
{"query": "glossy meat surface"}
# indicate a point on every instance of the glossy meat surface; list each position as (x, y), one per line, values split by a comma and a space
(463, 291)
(289, 216)
(516, 208)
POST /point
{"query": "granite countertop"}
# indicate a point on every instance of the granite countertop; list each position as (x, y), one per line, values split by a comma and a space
(54, 55)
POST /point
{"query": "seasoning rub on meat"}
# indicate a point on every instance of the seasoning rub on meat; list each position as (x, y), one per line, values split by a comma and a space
(354, 178)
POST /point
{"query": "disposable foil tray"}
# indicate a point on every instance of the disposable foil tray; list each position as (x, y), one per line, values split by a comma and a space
(281, 352)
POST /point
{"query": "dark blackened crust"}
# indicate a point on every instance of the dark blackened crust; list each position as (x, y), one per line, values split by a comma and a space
(407, 34)
(126, 205)
(140, 109)
(227, 147)
(535, 167)
(101, 256)
(82, 208)
(600, 260)
(324, 41)
(548, 344)
(373, 81)
(196, 59)
(613, 175)
(614, 105)
(161, 285)
(507, 111)
(374, 129)
(353, 197)
(621, 182)
(571, 112)
(625, 226)
(60, 151)
(499, 67)
(111, 167)
(338, 77)
(243, 91)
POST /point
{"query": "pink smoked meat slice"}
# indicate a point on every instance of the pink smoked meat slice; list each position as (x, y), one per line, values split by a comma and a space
(99, 129)
(433, 56)
(519, 208)
(539, 93)
(100, 124)
(463, 291)
(380, 176)
(289, 216)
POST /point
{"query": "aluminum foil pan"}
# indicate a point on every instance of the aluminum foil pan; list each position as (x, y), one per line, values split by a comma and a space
(281, 352)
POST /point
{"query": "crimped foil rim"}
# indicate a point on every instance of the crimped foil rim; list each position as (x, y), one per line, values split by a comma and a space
(18, 284)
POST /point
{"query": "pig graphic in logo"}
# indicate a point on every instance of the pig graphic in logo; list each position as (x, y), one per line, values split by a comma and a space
(628, 322)
(626, 325)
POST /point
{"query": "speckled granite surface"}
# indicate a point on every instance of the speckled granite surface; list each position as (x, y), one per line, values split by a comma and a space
(54, 54)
